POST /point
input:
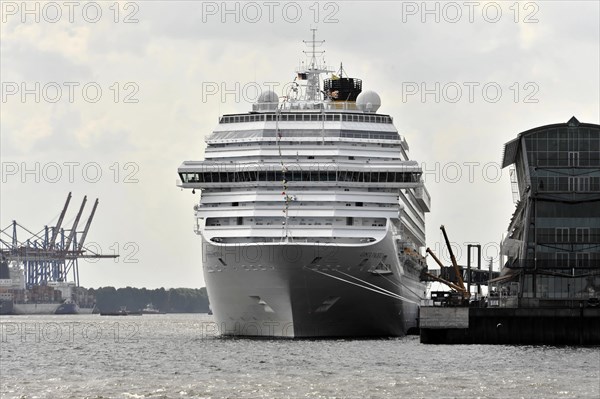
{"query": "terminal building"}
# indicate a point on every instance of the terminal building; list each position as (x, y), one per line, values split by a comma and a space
(551, 253)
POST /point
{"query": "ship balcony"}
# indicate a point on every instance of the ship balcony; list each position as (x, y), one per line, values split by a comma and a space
(423, 198)
(404, 144)
(323, 211)
(299, 233)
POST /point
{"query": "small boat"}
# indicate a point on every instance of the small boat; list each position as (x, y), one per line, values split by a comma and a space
(121, 312)
(150, 309)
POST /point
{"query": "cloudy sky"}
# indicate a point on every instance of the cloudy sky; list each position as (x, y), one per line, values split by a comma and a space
(106, 99)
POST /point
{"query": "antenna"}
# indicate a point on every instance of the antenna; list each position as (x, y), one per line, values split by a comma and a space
(314, 43)
(314, 70)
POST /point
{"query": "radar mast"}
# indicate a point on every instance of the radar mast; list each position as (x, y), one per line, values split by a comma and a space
(314, 70)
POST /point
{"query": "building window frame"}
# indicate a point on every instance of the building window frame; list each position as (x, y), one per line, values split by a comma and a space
(573, 158)
(582, 234)
(583, 259)
(562, 258)
(561, 234)
(579, 184)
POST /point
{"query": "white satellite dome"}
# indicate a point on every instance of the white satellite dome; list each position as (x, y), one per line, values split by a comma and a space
(368, 101)
(267, 101)
(268, 97)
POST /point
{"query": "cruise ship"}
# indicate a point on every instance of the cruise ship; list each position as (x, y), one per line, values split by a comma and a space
(311, 214)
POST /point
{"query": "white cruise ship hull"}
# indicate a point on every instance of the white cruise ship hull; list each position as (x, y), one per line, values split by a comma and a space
(308, 290)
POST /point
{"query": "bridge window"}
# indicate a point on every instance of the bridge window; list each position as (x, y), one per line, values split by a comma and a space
(299, 175)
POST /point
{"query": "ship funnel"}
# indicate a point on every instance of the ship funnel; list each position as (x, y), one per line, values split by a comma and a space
(342, 89)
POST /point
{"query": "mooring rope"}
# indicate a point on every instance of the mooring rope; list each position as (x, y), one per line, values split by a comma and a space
(373, 285)
(379, 290)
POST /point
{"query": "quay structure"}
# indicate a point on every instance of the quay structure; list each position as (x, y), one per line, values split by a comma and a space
(549, 287)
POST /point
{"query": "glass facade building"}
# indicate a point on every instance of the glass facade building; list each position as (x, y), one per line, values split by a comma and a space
(552, 249)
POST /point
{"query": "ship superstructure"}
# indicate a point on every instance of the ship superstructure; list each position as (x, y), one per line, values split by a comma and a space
(311, 214)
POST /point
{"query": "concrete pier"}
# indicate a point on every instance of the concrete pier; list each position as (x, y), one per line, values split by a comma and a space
(541, 326)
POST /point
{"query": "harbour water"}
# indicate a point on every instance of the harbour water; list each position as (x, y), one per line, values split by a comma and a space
(180, 356)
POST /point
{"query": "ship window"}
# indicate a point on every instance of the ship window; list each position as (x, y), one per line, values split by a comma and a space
(235, 204)
(359, 204)
(248, 176)
(329, 117)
